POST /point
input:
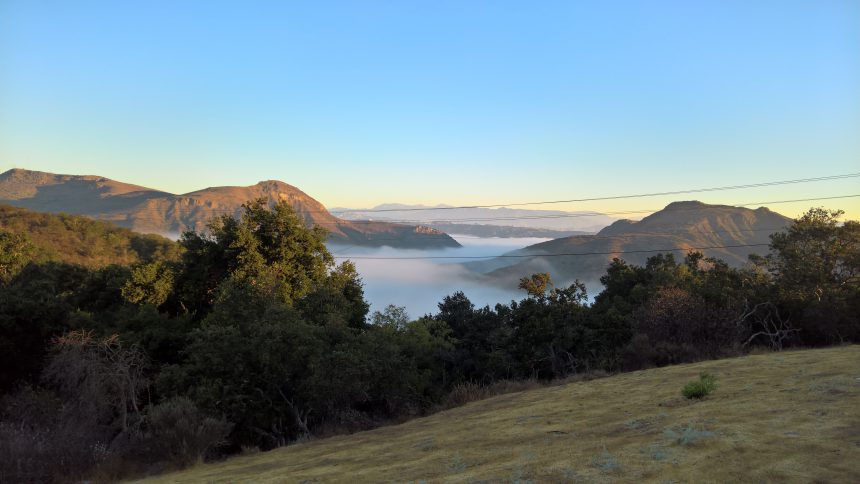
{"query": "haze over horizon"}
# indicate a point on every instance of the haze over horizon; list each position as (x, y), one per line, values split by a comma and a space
(361, 103)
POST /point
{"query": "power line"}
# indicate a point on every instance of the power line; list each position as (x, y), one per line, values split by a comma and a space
(566, 254)
(524, 217)
(177, 198)
(618, 197)
(579, 215)
(590, 237)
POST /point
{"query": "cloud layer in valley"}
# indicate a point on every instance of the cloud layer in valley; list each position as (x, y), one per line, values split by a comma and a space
(420, 284)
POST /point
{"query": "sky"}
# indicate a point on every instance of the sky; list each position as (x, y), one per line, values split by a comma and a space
(479, 102)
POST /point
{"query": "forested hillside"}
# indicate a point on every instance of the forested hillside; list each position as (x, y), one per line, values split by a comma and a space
(79, 240)
(254, 339)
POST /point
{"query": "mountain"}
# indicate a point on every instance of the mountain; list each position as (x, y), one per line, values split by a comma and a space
(680, 226)
(511, 217)
(151, 211)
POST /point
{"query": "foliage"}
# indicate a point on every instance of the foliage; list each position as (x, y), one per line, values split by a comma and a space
(15, 252)
(536, 285)
(183, 432)
(394, 317)
(149, 284)
(270, 248)
(700, 388)
(101, 377)
(815, 264)
(79, 240)
(35, 306)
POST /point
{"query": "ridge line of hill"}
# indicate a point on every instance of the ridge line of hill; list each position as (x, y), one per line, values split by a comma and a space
(152, 211)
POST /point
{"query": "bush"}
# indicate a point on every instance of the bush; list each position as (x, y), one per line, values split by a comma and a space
(463, 393)
(42, 440)
(706, 384)
(183, 431)
(467, 392)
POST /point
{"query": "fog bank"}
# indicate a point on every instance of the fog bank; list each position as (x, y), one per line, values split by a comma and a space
(420, 284)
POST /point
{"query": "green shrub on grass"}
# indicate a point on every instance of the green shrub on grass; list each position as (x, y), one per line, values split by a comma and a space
(706, 384)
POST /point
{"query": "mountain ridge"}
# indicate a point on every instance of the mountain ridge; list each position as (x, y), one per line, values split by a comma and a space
(147, 210)
(721, 231)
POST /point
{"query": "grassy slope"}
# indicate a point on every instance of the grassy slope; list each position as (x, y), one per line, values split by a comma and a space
(779, 417)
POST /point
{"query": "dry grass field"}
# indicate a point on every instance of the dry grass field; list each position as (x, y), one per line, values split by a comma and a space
(777, 417)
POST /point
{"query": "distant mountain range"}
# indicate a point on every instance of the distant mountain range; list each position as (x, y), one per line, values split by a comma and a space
(151, 211)
(681, 226)
(502, 231)
(442, 215)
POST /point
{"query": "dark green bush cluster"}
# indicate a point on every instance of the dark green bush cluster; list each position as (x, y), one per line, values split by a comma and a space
(700, 388)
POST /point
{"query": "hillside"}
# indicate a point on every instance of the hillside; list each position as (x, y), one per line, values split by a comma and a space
(776, 417)
(150, 211)
(80, 240)
(680, 225)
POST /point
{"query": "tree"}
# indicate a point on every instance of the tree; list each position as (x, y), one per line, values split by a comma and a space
(817, 255)
(99, 376)
(267, 246)
(149, 284)
(536, 285)
(816, 270)
(393, 317)
(548, 331)
(36, 306)
(250, 361)
(15, 252)
(338, 300)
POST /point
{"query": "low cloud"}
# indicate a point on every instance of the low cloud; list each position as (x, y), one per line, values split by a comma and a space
(420, 284)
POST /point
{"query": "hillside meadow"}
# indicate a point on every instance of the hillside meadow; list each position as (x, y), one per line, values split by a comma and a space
(790, 416)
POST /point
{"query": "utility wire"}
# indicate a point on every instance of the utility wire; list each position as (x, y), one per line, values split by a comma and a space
(546, 202)
(489, 219)
(579, 215)
(590, 237)
(565, 254)
(618, 197)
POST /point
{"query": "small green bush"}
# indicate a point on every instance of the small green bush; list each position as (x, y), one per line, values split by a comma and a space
(706, 384)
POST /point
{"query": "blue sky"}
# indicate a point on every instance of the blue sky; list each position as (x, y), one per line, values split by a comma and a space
(460, 102)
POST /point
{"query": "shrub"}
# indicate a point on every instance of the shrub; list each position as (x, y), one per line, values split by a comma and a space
(183, 431)
(42, 440)
(463, 393)
(706, 384)
(688, 435)
(466, 392)
(605, 461)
